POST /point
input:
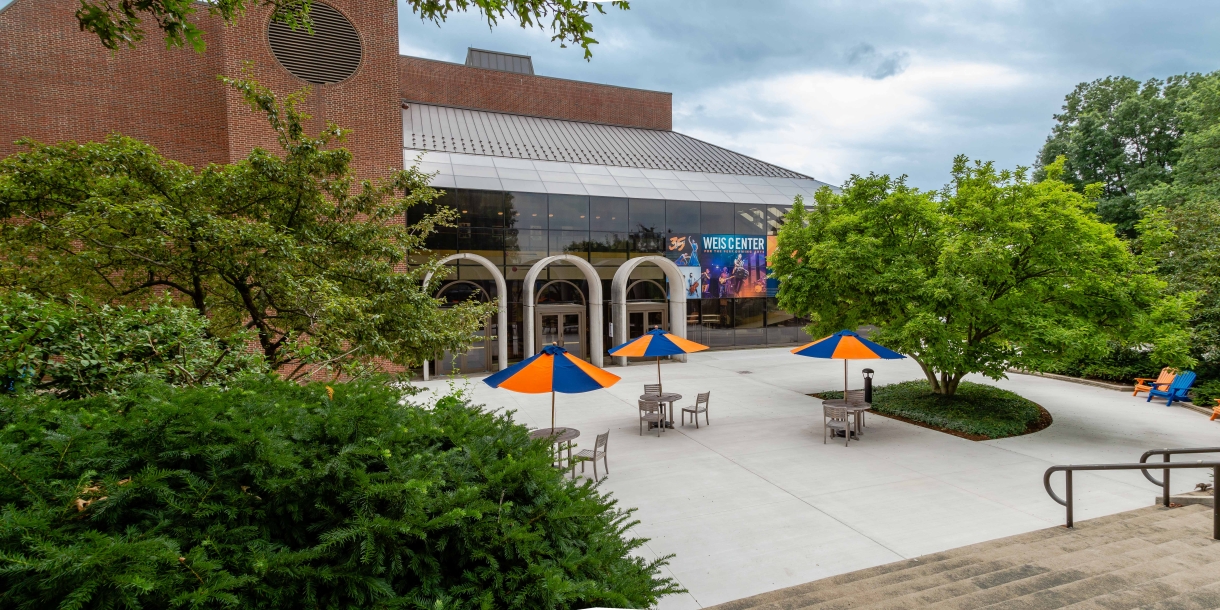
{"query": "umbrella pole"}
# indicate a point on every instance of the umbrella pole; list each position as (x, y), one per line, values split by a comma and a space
(845, 378)
(658, 372)
(552, 411)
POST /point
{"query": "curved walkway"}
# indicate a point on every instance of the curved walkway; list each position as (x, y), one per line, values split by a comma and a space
(755, 502)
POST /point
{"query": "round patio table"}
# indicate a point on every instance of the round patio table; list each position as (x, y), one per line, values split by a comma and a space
(854, 407)
(665, 397)
(557, 436)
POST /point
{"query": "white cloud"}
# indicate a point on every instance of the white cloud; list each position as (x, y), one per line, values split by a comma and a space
(830, 124)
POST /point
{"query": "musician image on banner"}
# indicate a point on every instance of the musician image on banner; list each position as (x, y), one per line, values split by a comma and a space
(683, 250)
(734, 266)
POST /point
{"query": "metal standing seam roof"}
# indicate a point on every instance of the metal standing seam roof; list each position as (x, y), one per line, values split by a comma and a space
(476, 132)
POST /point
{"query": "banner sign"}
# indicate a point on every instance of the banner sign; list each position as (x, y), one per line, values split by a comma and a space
(722, 266)
(733, 266)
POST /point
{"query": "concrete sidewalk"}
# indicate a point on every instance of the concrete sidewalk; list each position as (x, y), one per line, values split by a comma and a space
(756, 502)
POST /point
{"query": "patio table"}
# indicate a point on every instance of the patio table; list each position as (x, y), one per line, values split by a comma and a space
(557, 436)
(855, 407)
(666, 397)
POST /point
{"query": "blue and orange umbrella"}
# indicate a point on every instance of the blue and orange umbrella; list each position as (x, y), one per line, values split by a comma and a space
(552, 370)
(848, 346)
(657, 343)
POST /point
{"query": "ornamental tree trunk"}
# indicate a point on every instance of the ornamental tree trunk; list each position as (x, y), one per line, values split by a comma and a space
(942, 382)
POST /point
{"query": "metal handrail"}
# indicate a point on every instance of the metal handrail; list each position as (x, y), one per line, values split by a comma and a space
(1068, 470)
(1164, 485)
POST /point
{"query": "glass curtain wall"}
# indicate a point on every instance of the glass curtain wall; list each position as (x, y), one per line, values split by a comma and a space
(514, 230)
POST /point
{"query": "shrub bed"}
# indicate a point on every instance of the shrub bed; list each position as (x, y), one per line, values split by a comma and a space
(273, 495)
(976, 409)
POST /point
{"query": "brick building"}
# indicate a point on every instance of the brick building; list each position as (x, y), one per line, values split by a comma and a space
(575, 197)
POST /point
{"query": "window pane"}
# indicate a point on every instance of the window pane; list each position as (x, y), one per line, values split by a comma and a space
(748, 319)
(775, 217)
(694, 330)
(716, 218)
(782, 327)
(607, 250)
(717, 319)
(483, 209)
(569, 212)
(488, 243)
(442, 241)
(646, 243)
(647, 215)
(523, 247)
(682, 216)
(749, 219)
(417, 212)
(526, 210)
(569, 242)
(608, 214)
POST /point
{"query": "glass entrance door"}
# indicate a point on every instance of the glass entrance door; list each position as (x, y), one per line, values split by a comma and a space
(562, 325)
(640, 322)
(643, 317)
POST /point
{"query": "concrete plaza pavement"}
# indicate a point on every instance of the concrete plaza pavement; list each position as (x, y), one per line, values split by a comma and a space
(756, 502)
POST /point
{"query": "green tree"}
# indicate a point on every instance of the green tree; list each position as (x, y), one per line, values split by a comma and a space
(1180, 231)
(121, 23)
(1122, 134)
(288, 246)
(990, 273)
(79, 349)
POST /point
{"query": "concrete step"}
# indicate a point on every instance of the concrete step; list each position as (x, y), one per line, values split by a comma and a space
(1153, 591)
(901, 578)
(1135, 558)
(934, 562)
(1039, 573)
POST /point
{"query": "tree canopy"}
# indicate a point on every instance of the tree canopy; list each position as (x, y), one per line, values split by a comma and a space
(992, 272)
(287, 245)
(1123, 135)
(119, 24)
(1180, 229)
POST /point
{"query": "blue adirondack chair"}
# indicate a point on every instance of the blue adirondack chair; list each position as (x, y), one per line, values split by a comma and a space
(1176, 390)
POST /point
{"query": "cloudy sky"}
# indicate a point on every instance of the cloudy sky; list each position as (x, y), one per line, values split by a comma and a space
(836, 88)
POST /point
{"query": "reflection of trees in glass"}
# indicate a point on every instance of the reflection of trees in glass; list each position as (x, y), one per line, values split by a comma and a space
(609, 242)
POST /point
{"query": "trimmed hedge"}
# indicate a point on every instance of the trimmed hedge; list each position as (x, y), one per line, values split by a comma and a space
(975, 409)
(273, 495)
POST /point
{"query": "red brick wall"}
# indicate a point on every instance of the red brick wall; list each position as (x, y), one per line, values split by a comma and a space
(60, 84)
(367, 104)
(447, 84)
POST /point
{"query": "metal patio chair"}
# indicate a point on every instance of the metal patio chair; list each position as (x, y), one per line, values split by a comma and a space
(837, 418)
(651, 412)
(700, 407)
(598, 452)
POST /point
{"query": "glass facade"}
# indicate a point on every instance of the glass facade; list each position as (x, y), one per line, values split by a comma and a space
(721, 245)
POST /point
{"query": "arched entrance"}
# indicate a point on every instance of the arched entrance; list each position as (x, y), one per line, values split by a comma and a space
(592, 330)
(618, 299)
(501, 330)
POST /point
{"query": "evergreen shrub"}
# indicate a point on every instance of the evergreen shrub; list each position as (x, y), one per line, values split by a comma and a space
(273, 495)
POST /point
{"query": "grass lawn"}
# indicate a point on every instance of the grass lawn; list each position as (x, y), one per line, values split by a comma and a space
(977, 410)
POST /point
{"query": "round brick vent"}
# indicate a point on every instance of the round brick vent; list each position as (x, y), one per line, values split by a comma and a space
(330, 55)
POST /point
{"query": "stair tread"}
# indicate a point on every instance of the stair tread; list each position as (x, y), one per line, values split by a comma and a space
(1153, 591)
(1070, 562)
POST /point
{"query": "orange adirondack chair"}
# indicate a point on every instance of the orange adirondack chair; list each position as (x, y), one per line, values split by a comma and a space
(1163, 380)
(1215, 410)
